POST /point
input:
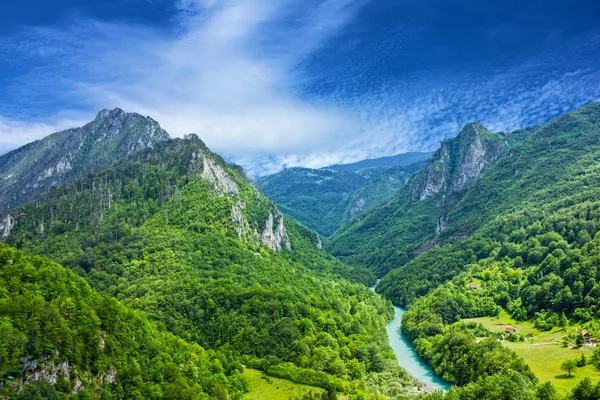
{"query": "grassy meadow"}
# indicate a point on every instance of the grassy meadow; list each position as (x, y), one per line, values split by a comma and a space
(544, 352)
(263, 387)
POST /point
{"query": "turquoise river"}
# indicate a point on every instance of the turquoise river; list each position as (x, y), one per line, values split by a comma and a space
(408, 357)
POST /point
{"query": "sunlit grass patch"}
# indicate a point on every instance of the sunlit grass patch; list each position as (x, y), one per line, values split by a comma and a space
(263, 387)
(544, 352)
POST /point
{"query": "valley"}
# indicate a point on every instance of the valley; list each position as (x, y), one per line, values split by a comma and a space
(493, 231)
(299, 200)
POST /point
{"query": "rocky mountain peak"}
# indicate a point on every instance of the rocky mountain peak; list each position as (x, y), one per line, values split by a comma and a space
(460, 161)
(60, 157)
(110, 114)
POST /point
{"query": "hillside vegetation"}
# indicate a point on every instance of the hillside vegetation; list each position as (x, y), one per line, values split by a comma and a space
(410, 223)
(533, 221)
(55, 328)
(178, 234)
(325, 199)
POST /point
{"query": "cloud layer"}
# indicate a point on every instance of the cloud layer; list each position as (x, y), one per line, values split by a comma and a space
(238, 73)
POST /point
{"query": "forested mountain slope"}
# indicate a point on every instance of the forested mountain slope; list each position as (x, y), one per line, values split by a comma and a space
(179, 234)
(533, 250)
(325, 199)
(60, 338)
(113, 136)
(408, 224)
(554, 171)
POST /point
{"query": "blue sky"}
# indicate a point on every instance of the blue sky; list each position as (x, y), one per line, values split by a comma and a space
(278, 83)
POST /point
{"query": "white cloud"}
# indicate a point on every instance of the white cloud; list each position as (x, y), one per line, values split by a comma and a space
(229, 72)
(14, 133)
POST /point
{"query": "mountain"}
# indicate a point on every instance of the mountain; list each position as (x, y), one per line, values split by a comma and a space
(58, 336)
(521, 243)
(325, 199)
(175, 232)
(113, 136)
(410, 223)
(550, 175)
(399, 160)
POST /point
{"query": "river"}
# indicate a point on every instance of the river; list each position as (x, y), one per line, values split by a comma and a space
(407, 355)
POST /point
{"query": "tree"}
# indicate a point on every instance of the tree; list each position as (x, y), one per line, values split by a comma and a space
(596, 357)
(579, 340)
(546, 392)
(564, 322)
(585, 390)
(569, 366)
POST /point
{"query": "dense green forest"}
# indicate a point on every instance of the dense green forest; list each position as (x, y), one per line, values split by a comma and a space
(325, 199)
(52, 324)
(409, 224)
(158, 236)
(534, 251)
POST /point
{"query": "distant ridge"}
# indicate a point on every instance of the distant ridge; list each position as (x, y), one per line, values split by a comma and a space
(399, 160)
(325, 199)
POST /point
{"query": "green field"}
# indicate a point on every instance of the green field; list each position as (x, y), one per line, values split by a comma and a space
(544, 352)
(263, 387)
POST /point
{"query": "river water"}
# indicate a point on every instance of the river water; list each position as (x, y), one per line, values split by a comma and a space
(407, 355)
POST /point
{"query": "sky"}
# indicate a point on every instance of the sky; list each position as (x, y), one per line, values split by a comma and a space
(281, 83)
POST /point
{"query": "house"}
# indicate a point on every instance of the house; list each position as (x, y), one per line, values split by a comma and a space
(473, 286)
(587, 337)
(510, 330)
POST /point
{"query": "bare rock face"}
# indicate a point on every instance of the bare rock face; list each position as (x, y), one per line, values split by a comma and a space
(319, 243)
(275, 238)
(49, 370)
(436, 172)
(238, 221)
(460, 161)
(274, 235)
(6, 226)
(454, 168)
(112, 136)
(214, 173)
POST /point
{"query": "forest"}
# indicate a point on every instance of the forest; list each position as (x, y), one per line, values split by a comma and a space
(534, 254)
(153, 235)
(167, 274)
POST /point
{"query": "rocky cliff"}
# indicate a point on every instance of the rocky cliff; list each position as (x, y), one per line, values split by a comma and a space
(132, 145)
(457, 164)
(460, 161)
(112, 136)
(413, 220)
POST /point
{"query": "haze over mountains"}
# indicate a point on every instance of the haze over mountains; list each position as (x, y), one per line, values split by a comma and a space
(326, 198)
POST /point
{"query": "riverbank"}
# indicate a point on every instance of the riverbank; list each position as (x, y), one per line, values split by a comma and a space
(407, 355)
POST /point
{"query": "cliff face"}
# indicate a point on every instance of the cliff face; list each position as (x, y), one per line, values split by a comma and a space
(413, 220)
(460, 161)
(132, 145)
(63, 156)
